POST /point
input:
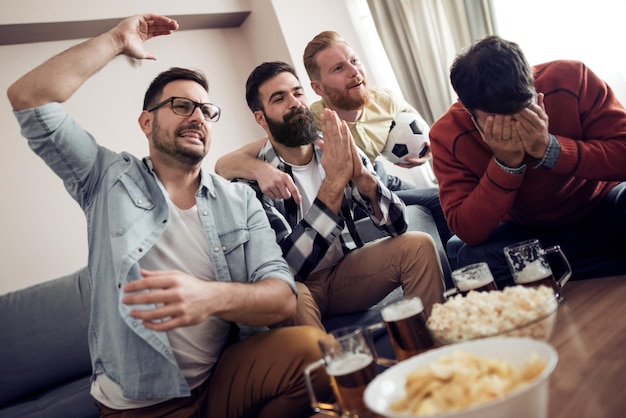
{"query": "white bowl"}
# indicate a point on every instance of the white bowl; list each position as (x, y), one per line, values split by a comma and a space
(530, 400)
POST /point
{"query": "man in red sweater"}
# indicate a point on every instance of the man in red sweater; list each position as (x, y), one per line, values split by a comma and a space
(532, 153)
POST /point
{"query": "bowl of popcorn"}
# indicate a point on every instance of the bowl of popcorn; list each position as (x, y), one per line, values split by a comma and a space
(487, 378)
(516, 311)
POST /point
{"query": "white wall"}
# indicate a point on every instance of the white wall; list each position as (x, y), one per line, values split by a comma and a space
(594, 35)
(43, 229)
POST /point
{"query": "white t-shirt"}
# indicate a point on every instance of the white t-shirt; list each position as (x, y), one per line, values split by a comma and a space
(308, 179)
(183, 246)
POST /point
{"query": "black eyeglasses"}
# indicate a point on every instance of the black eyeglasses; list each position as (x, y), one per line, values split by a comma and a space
(185, 107)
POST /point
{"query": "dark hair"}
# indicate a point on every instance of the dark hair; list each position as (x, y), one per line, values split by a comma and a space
(320, 42)
(175, 73)
(260, 75)
(493, 76)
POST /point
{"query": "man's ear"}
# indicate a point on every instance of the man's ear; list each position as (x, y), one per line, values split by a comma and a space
(317, 88)
(145, 122)
(259, 117)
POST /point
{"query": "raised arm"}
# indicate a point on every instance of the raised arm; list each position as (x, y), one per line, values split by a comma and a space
(242, 163)
(58, 78)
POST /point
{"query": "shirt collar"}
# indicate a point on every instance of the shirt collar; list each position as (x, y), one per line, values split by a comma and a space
(205, 178)
(269, 155)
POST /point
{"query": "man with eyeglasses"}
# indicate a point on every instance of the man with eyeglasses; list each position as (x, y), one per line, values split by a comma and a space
(177, 256)
(532, 152)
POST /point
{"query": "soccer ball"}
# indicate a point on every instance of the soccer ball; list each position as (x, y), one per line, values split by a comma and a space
(407, 137)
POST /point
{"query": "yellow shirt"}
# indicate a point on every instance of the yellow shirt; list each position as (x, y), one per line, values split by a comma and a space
(371, 129)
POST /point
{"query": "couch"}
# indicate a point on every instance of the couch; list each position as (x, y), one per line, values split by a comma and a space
(45, 366)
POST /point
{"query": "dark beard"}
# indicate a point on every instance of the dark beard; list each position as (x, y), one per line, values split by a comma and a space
(175, 149)
(340, 99)
(297, 128)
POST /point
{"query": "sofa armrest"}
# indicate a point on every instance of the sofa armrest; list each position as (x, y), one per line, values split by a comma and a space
(44, 336)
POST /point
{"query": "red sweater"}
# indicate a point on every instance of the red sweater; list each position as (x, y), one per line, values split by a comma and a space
(590, 125)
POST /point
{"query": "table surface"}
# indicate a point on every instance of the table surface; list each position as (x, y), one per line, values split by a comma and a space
(590, 338)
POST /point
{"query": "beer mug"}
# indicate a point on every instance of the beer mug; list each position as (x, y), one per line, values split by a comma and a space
(405, 321)
(475, 277)
(350, 365)
(529, 265)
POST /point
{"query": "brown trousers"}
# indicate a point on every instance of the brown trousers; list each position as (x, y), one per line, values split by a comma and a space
(261, 376)
(366, 275)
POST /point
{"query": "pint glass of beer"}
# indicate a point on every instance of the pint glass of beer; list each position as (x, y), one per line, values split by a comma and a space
(475, 277)
(405, 321)
(529, 265)
(350, 365)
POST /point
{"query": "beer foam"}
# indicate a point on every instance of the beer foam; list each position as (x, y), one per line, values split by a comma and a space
(473, 283)
(349, 363)
(402, 309)
(532, 272)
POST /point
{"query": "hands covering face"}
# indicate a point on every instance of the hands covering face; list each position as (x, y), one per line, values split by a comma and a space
(512, 137)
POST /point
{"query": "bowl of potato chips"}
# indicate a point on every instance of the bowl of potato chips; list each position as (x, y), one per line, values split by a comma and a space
(485, 378)
(516, 311)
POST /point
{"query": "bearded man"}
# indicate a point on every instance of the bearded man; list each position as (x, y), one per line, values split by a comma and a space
(335, 272)
(339, 78)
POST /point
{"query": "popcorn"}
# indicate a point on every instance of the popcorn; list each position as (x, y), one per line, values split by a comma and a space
(483, 314)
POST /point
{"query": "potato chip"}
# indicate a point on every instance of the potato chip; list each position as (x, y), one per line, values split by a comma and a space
(461, 380)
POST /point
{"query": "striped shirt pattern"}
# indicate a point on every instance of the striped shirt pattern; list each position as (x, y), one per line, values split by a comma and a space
(305, 238)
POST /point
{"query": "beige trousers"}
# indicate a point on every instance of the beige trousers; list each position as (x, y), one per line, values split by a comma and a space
(261, 376)
(366, 275)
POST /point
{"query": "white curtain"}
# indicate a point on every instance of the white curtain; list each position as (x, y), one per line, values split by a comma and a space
(422, 38)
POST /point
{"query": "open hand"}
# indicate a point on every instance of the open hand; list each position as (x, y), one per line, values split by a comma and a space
(136, 30)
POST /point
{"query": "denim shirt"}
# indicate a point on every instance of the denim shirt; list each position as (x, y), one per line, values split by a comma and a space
(126, 213)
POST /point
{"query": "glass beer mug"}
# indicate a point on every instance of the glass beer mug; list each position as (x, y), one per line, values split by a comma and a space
(475, 277)
(529, 265)
(405, 321)
(350, 365)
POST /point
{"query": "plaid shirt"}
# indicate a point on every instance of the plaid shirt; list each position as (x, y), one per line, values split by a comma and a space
(305, 238)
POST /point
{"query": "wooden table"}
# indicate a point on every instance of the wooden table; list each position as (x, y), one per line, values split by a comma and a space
(590, 337)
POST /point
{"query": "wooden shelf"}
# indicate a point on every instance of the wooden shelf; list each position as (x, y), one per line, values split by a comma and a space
(59, 31)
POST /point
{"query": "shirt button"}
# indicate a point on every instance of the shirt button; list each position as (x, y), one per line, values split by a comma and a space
(205, 213)
(216, 249)
(139, 201)
(224, 248)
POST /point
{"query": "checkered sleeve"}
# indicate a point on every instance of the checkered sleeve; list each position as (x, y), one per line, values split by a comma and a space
(306, 244)
(393, 220)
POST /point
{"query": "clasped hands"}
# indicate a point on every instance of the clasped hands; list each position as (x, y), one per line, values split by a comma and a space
(340, 160)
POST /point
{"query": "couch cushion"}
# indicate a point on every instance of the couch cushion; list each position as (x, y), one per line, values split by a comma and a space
(44, 336)
(71, 400)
